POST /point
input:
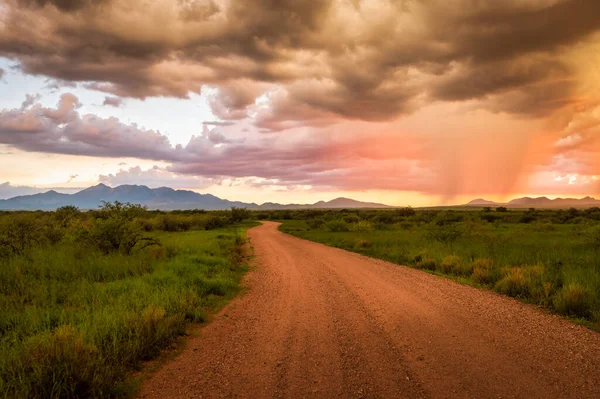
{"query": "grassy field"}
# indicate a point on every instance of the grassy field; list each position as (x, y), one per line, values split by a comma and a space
(85, 297)
(550, 258)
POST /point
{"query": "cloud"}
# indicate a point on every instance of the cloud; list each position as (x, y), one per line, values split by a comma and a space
(62, 130)
(153, 178)
(30, 99)
(363, 60)
(2, 73)
(113, 101)
(72, 177)
(8, 190)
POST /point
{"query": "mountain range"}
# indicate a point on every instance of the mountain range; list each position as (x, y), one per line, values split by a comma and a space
(540, 202)
(159, 198)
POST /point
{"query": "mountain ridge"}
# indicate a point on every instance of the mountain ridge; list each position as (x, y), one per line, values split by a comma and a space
(163, 198)
(539, 202)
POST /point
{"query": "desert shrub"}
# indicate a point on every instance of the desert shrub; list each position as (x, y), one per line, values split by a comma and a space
(315, 223)
(482, 271)
(239, 214)
(426, 264)
(403, 212)
(574, 300)
(448, 217)
(384, 217)
(65, 214)
(336, 226)
(351, 219)
(450, 265)
(61, 363)
(446, 234)
(362, 226)
(115, 228)
(523, 282)
(527, 218)
(490, 217)
(216, 222)
(19, 233)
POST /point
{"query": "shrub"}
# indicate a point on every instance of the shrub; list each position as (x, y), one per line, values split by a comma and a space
(427, 264)
(574, 300)
(522, 282)
(315, 223)
(408, 211)
(362, 226)
(446, 234)
(216, 222)
(19, 233)
(61, 364)
(501, 209)
(450, 265)
(239, 214)
(351, 219)
(336, 226)
(481, 271)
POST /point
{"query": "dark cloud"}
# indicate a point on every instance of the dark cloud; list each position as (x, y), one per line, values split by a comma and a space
(63, 5)
(113, 101)
(2, 73)
(353, 60)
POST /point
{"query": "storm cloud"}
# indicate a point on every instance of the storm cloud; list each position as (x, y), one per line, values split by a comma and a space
(360, 60)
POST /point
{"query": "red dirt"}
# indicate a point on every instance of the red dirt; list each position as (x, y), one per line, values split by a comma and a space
(322, 322)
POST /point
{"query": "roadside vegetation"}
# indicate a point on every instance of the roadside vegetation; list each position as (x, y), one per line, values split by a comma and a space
(545, 257)
(85, 297)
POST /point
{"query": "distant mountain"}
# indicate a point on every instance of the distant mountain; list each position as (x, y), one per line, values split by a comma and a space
(159, 198)
(482, 202)
(540, 202)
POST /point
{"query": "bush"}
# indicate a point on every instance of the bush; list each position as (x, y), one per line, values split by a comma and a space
(574, 300)
(216, 222)
(501, 209)
(351, 219)
(450, 265)
(315, 223)
(362, 226)
(408, 211)
(427, 264)
(523, 282)
(446, 234)
(18, 234)
(336, 226)
(239, 214)
(482, 271)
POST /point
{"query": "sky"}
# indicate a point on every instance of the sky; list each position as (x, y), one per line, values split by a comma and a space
(405, 102)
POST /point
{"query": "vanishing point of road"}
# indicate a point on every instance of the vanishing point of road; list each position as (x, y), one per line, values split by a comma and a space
(320, 322)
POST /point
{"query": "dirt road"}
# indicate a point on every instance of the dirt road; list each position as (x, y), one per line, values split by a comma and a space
(325, 323)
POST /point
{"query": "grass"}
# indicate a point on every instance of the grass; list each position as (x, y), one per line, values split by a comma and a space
(549, 258)
(76, 321)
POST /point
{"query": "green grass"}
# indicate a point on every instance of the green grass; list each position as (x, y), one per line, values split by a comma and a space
(554, 261)
(75, 322)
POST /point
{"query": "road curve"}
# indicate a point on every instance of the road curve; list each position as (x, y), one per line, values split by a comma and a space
(321, 322)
